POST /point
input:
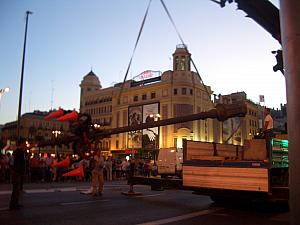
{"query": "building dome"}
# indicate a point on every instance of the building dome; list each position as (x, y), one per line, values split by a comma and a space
(91, 79)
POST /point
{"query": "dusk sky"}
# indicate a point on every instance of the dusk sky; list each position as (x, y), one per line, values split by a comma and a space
(66, 38)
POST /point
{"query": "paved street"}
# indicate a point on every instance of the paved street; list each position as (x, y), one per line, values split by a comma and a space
(63, 203)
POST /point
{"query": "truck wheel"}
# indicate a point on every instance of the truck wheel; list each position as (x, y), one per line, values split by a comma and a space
(218, 199)
(156, 188)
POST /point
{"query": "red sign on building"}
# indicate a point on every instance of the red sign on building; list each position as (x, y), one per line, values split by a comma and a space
(131, 151)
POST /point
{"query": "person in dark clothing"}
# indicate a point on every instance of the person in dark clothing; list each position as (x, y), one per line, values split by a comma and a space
(17, 173)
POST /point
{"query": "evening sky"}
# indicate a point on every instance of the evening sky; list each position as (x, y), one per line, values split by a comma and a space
(66, 38)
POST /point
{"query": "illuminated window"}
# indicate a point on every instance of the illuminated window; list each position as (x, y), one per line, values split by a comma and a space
(183, 91)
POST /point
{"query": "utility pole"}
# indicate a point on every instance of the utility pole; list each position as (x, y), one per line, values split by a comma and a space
(290, 30)
(21, 82)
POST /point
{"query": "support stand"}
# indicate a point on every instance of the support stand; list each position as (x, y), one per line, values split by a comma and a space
(131, 192)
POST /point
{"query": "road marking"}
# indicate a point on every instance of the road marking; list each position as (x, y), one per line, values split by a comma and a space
(5, 192)
(36, 191)
(145, 196)
(64, 189)
(83, 202)
(182, 217)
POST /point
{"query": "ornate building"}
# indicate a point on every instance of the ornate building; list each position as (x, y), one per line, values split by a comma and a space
(33, 128)
(171, 94)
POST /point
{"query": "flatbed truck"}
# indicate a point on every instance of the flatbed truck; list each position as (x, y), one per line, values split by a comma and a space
(230, 172)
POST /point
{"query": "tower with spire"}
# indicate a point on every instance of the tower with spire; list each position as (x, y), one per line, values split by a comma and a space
(89, 85)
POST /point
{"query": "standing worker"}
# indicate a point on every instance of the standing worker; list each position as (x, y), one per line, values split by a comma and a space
(108, 167)
(97, 174)
(17, 173)
(268, 131)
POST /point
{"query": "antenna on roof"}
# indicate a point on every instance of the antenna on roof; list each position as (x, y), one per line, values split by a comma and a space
(52, 92)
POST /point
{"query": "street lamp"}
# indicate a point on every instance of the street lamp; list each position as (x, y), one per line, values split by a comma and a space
(56, 133)
(97, 126)
(3, 91)
(22, 75)
(155, 131)
(155, 117)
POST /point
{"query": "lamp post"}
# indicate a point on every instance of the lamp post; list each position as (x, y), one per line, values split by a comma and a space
(56, 133)
(132, 148)
(22, 74)
(96, 127)
(155, 117)
(3, 91)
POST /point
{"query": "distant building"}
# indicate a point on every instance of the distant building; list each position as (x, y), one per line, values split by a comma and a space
(280, 118)
(173, 93)
(236, 130)
(33, 128)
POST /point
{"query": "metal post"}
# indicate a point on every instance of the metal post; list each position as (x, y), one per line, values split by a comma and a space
(290, 30)
(21, 82)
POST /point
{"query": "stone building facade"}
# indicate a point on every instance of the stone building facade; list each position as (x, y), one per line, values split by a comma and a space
(171, 94)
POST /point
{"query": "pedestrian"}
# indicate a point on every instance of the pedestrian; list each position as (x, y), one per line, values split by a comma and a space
(268, 131)
(147, 168)
(48, 161)
(108, 167)
(97, 174)
(124, 167)
(17, 173)
(118, 168)
(154, 169)
(7, 159)
(34, 164)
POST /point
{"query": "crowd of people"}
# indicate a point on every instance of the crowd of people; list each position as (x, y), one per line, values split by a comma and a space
(21, 167)
(39, 169)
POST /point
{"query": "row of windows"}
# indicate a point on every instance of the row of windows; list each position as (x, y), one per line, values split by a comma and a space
(47, 125)
(184, 91)
(99, 110)
(104, 121)
(101, 100)
(104, 145)
(251, 112)
(144, 97)
(182, 63)
(252, 123)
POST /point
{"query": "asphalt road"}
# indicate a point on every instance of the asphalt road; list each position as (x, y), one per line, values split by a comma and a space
(47, 204)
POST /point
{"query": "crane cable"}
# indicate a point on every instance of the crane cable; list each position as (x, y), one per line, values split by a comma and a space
(183, 43)
(136, 43)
